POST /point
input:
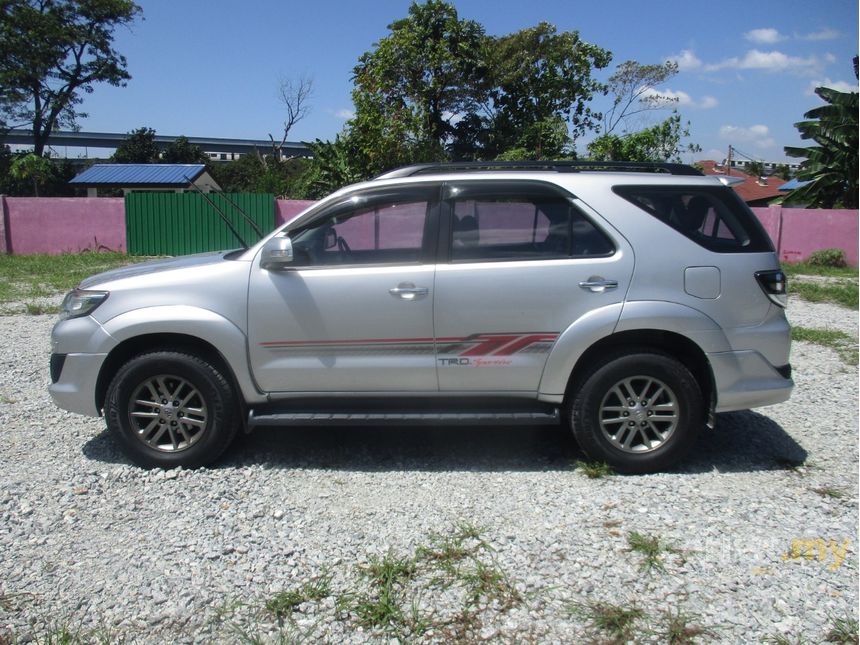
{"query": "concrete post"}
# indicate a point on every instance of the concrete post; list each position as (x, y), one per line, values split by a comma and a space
(5, 234)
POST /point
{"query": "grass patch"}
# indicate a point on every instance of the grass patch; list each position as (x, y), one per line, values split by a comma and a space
(382, 604)
(842, 343)
(651, 548)
(36, 309)
(284, 603)
(610, 620)
(25, 277)
(447, 553)
(394, 592)
(844, 630)
(839, 292)
(486, 584)
(829, 491)
(680, 628)
(805, 268)
(594, 469)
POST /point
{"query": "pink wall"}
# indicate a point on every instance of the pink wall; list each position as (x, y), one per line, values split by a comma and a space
(68, 224)
(287, 209)
(62, 224)
(797, 232)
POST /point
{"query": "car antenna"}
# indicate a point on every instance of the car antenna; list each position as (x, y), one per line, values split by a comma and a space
(219, 211)
(244, 215)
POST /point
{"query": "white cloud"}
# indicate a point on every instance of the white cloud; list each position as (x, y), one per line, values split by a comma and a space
(773, 61)
(679, 98)
(756, 135)
(767, 36)
(345, 114)
(840, 86)
(686, 61)
(822, 34)
(708, 103)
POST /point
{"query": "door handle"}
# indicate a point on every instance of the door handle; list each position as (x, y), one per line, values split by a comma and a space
(408, 291)
(596, 284)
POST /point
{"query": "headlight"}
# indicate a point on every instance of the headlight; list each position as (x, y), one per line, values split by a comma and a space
(81, 303)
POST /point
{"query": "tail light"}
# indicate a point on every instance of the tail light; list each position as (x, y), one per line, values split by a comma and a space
(774, 284)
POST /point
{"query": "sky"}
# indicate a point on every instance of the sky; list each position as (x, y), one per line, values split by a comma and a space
(747, 68)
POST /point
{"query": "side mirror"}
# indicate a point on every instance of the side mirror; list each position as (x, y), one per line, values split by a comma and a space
(277, 254)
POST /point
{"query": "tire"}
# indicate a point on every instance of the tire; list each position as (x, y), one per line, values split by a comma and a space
(616, 418)
(169, 409)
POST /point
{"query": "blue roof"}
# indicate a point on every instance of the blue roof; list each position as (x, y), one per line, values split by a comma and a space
(140, 174)
(794, 184)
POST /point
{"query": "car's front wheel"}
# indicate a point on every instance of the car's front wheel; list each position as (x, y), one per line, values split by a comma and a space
(639, 412)
(170, 409)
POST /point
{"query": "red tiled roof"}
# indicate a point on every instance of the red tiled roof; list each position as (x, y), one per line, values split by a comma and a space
(751, 191)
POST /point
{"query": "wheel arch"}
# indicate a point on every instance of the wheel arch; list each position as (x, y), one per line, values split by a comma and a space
(671, 343)
(160, 341)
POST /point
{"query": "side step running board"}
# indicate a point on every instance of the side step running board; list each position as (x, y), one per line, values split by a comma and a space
(402, 418)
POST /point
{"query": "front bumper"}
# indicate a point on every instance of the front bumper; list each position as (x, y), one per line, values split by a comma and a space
(745, 379)
(75, 386)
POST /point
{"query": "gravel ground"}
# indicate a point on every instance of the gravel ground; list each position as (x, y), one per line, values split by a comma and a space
(94, 547)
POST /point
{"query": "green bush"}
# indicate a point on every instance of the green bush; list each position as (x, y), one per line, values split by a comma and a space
(827, 258)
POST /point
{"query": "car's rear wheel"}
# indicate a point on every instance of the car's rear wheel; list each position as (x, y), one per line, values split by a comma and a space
(170, 409)
(640, 412)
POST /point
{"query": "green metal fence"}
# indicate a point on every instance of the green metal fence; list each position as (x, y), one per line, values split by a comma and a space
(183, 223)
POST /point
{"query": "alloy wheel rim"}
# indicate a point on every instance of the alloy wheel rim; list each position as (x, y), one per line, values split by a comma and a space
(167, 413)
(639, 414)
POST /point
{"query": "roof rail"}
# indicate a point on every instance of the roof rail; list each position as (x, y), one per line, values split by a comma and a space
(554, 166)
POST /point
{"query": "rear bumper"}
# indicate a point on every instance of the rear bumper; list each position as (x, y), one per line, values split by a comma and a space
(745, 379)
(75, 386)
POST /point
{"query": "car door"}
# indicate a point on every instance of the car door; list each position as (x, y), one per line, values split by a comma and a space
(354, 312)
(524, 261)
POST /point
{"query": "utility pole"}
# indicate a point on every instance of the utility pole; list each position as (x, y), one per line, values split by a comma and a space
(729, 162)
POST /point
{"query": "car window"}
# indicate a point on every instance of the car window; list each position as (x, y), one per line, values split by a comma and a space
(714, 218)
(511, 224)
(374, 229)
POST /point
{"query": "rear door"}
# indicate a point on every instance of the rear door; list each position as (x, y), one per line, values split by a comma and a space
(522, 261)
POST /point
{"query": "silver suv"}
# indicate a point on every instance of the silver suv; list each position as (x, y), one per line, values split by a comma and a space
(630, 302)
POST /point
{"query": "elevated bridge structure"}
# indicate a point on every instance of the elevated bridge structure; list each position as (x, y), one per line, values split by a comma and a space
(218, 149)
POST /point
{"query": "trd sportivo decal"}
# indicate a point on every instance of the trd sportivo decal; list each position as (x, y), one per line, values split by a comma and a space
(467, 351)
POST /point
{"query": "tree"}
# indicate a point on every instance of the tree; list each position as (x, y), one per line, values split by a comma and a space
(661, 142)
(180, 150)
(783, 171)
(633, 88)
(247, 174)
(437, 88)
(754, 169)
(32, 167)
(294, 95)
(419, 79)
(138, 147)
(331, 168)
(540, 86)
(52, 52)
(830, 166)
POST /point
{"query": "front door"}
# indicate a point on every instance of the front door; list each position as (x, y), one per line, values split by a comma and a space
(355, 312)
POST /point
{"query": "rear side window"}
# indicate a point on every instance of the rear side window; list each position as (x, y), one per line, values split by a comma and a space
(713, 217)
(519, 222)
